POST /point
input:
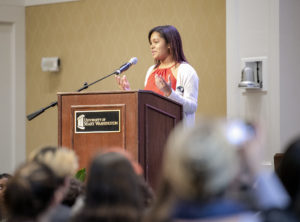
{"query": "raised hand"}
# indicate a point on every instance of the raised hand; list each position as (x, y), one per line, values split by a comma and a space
(122, 82)
(162, 85)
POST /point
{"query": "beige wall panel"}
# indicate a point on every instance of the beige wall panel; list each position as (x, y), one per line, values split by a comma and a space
(93, 37)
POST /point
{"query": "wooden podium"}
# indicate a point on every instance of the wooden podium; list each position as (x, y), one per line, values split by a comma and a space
(137, 121)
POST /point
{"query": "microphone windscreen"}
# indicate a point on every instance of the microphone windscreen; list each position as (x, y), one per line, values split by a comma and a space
(133, 60)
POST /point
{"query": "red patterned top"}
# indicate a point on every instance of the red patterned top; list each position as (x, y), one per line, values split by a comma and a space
(165, 73)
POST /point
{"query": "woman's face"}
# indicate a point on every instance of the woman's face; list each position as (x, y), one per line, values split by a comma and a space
(159, 47)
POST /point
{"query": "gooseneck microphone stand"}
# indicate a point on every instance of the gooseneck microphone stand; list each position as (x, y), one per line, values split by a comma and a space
(85, 86)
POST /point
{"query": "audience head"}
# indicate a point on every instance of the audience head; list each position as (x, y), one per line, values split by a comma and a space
(112, 181)
(289, 169)
(201, 166)
(145, 189)
(30, 192)
(200, 163)
(62, 161)
(136, 166)
(112, 190)
(4, 177)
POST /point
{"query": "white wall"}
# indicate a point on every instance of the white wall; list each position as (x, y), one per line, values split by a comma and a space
(252, 31)
(12, 72)
(289, 70)
(266, 28)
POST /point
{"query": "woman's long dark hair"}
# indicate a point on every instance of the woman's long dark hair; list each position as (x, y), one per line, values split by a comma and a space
(112, 191)
(171, 35)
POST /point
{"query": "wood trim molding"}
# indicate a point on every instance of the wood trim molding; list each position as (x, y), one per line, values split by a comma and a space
(43, 2)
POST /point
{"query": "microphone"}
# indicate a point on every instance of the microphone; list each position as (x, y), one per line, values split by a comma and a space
(126, 66)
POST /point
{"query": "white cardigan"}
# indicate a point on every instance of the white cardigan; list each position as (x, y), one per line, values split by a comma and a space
(186, 90)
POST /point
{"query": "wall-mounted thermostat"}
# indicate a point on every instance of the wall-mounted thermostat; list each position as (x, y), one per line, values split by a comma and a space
(50, 64)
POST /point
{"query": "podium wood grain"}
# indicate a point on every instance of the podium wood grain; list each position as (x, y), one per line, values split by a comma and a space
(145, 122)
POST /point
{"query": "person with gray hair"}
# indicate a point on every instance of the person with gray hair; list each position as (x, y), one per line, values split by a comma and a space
(200, 175)
(64, 163)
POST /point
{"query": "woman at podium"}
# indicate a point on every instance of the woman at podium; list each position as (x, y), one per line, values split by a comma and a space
(171, 75)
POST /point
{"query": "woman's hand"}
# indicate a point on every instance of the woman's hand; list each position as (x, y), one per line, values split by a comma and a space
(122, 82)
(251, 153)
(163, 86)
